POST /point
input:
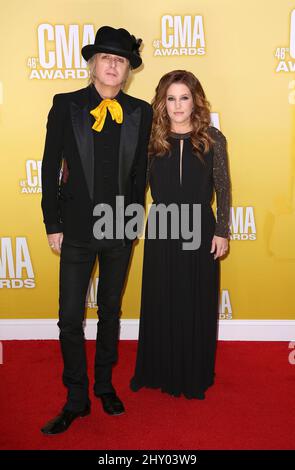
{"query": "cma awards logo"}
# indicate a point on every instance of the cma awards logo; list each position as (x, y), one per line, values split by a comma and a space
(32, 183)
(243, 225)
(180, 35)
(286, 55)
(225, 309)
(16, 270)
(59, 52)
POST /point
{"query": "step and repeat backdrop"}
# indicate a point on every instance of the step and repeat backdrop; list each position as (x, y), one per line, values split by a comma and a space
(244, 55)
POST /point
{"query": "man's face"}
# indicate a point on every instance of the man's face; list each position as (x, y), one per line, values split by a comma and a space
(111, 70)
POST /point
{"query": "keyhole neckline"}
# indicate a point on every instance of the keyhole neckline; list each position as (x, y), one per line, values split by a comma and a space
(178, 136)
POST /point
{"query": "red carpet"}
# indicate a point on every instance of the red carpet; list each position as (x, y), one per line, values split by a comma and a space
(251, 406)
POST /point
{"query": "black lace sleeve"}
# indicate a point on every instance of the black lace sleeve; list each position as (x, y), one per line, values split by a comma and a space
(222, 184)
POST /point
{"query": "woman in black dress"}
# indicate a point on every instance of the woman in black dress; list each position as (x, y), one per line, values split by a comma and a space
(180, 287)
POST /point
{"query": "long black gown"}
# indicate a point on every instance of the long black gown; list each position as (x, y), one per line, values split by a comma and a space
(180, 288)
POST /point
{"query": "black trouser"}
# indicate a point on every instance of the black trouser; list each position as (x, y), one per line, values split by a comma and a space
(76, 265)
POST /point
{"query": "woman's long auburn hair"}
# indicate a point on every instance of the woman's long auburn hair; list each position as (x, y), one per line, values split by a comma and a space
(200, 117)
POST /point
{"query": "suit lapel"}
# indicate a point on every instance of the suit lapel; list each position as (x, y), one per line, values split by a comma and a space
(128, 141)
(81, 120)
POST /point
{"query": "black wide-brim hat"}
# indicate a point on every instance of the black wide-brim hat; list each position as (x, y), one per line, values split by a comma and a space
(115, 41)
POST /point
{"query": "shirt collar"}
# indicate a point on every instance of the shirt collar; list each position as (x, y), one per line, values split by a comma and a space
(96, 99)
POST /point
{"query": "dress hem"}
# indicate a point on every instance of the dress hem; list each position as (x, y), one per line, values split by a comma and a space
(135, 387)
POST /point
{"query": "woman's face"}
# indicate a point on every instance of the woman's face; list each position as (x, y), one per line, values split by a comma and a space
(179, 105)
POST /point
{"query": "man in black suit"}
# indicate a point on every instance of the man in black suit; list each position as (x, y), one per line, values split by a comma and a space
(99, 136)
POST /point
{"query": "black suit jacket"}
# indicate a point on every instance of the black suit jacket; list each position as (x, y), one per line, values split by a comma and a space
(68, 206)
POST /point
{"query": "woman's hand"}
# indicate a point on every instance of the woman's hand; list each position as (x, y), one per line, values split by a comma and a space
(219, 246)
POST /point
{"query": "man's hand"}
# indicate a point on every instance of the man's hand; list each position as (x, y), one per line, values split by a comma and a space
(219, 246)
(55, 241)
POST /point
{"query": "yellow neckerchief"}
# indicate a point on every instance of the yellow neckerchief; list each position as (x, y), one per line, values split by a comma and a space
(100, 113)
